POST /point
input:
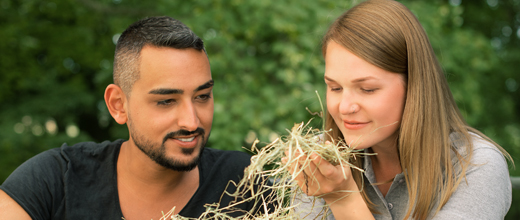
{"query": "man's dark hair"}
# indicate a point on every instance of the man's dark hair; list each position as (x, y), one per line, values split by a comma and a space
(154, 31)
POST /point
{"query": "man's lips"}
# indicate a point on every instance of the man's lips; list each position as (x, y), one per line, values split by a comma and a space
(186, 141)
(184, 138)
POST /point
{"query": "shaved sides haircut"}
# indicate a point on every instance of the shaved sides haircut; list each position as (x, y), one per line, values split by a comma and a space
(154, 31)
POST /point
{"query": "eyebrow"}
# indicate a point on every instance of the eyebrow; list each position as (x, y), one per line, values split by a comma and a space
(329, 79)
(206, 85)
(353, 81)
(163, 91)
(363, 79)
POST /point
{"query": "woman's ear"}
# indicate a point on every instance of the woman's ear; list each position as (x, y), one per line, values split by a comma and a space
(115, 99)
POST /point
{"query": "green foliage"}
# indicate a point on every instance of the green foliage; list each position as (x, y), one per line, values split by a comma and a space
(266, 62)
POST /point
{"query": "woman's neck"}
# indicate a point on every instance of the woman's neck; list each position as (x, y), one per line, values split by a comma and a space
(386, 166)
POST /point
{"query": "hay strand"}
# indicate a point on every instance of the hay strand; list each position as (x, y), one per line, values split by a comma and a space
(270, 183)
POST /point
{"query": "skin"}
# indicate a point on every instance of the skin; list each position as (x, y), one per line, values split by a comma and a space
(366, 102)
(174, 92)
(9, 209)
(185, 102)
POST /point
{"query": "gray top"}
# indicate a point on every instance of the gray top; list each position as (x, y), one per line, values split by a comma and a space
(486, 194)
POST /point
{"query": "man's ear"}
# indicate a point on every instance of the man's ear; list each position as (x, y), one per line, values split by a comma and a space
(115, 99)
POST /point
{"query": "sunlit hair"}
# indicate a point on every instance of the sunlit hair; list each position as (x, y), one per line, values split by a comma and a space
(154, 31)
(386, 34)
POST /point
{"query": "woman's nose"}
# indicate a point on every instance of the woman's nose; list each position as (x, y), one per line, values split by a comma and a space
(348, 105)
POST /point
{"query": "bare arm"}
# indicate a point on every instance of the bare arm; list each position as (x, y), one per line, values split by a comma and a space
(10, 209)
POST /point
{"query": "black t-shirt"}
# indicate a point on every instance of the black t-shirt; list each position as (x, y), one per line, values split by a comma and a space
(80, 182)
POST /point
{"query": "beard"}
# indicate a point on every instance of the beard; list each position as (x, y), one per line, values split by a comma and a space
(158, 152)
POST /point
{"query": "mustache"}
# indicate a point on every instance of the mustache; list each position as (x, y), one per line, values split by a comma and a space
(182, 132)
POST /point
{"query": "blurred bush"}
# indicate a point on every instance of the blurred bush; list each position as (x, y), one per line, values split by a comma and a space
(266, 61)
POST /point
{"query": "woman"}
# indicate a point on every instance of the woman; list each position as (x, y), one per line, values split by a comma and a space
(387, 94)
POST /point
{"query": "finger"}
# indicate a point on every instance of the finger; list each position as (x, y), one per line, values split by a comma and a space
(301, 179)
(325, 168)
(295, 154)
(298, 153)
(312, 166)
(290, 160)
(296, 166)
(293, 166)
(314, 157)
(314, 162)
(305, 183)
(314, 178)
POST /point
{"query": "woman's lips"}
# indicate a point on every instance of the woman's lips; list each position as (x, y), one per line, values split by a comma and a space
(354, 125)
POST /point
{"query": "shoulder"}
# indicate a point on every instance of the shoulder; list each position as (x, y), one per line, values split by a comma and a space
(68, 156)
(488, 164)
(486, 153)
(485, 159)
(59, 160)
(485, 191)
(43, 184)
(89, 161)
(482, 151)
(38, 185)
(90, 150)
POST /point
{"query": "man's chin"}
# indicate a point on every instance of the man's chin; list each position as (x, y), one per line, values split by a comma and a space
(188, 151)
(177, 165)
(184, 160)
(184, 164)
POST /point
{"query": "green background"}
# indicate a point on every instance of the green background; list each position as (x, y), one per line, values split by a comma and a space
(56, 60)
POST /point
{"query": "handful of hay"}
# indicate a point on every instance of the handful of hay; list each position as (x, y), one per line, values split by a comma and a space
(268, 181)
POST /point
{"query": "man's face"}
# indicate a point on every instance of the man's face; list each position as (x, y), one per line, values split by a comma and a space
(170, 108)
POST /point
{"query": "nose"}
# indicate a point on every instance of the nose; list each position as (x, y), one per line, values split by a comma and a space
(187, 117)
(348, 105)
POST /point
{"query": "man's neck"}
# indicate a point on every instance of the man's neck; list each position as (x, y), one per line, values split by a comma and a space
(146, 189)
(135, 165)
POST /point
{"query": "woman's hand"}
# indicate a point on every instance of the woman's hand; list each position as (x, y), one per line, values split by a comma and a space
(334, 183)
(322, 179)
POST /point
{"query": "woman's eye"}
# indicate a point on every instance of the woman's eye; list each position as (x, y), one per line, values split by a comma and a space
(334, 89)
(368, 90)
(166, 102)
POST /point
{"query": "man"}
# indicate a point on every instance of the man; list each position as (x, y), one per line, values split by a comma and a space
(163, 93)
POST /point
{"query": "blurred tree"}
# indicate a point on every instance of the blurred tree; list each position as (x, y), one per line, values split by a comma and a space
(265, 57)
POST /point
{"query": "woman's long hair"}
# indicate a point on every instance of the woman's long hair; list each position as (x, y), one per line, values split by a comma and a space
(386, 34)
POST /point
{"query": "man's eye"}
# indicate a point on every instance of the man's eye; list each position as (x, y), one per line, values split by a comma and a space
(166, 102)
(204, 97)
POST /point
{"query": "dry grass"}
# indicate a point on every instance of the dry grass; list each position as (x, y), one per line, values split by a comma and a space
(270, 181)
(270, 184)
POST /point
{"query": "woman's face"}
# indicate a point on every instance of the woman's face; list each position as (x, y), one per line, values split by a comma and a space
(365, 101)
